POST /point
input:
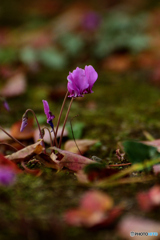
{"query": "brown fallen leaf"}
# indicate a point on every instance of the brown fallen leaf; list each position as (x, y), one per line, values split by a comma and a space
(83, 145)
(14, 86)
(149, 200)
(27, 133)
(69, 160)
(95, 210)
(137, 224)
(26, 153)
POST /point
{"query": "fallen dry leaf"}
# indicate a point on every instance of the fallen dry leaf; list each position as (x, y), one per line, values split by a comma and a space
(9, 164)
(139, 225)
(83, 145)
(14, 86)
(26, 153)
(95, 210)
(69, 160)
(149, 200)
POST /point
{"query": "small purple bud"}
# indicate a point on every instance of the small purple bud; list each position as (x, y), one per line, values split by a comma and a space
(6, 105)
(24, 122)
(48, 113)
(7, 176)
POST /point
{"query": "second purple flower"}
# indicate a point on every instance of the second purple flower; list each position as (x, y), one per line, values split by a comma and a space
(48, 113)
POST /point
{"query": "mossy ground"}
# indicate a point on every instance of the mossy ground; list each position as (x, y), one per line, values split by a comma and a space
(125, 105)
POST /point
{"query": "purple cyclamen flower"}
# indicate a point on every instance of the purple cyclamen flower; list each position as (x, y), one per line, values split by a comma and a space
(81, 81)
(24, 122)
(48, 113)
(7, 176)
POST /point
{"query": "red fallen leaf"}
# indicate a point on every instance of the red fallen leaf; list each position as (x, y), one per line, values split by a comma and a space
(9, 164)
(95, 172)
(14, 86)
(26, 153)
(96, 201)
(99, 174)
(83, 145)
(136, 224)
(95, 210)
(69, 160)
(27, 133)
(149, 200)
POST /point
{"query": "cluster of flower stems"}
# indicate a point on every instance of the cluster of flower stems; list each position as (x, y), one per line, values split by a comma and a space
(41, 131)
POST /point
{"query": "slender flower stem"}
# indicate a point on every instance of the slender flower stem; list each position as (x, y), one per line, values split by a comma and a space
(73, 134)
(49, 134)
(59, 118)
(37, 125)
(55, 138)
(14, 139)
(65, 120)
(120, 165)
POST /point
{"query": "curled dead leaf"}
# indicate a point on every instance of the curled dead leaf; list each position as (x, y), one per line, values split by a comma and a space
(83, 145)
(69, 160)
(26, 153)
